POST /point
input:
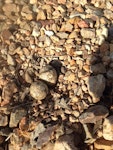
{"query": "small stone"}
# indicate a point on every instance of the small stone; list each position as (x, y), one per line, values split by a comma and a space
(69, 76)
(110, 74)
(61, 1)
(62, 35)
(16, 116)
(101, 143)
(66, 27)
(49, 33)
(94, 114)
(38, 90)
(111, 47)
(35, 32)
(33, 2)
(98, 68)
(88, 33)
(48, 74)
(6, 34)
(6, 93)
(96, 86)
(108, 128)
(10, 60)
(41, 15)
(3, 120)
(83, 24)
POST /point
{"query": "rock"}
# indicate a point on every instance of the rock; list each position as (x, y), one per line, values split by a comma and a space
(96, 86)
(94, 114)
(10, 60)
(65, 142)
(33, 2)
(16, 116)
(38, 90)
(88, 33)
(6, 34)
(110, 74)
(101, 143)
(35, 32)
(108, 128)
(41, 15)
(66, 27)
(62, 35)
(6, 93)
(98, 68)
(48, 74)
(61, 1)
(3, 120)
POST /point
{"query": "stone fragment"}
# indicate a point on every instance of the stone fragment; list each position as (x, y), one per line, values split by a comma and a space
(61, 1)
(41, 15)
(33, 2)
(66, 142)
(62, 35)
(98, 68)
(110, 74)
(88, 33)
(48, 74)
(3, 120)
(16, 116)
(10, 60)
(10, 8)
(101, 143)
(66, 27)
(108, 128)
(94, 114)
(35, 32)
(26, 12)
(96, 86)
(38, 90)
(6, 93)
(6, 34)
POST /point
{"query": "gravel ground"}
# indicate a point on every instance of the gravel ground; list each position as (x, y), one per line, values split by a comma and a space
(56, 74)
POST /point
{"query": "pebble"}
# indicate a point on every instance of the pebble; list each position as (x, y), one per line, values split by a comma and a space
(3, 120)
(41, 15)
(101, 143)
(62, 35)
(110, 74)
(96, 86)
(38, 90)
(66, 27)
(10, 60)
(108, 128)
(88, 33)
(16, 116)
(98, 68)
(6, 34)
(48, 74)
(94, 114)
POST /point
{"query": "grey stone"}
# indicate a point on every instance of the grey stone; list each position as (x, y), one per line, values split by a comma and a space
(96, 86)
(16, 116)
(94, 114)
(98, 68)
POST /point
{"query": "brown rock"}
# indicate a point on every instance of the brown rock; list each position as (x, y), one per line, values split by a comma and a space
(38, 90)
(62, 35)
(94, 114)
(88, 33)
(103, 144)
(16, 116)
(3, 120)
(66, 27)
(96, 86)
(48, 74)
(61, 1)
(41, 15)
(6, 34)
(108, 128)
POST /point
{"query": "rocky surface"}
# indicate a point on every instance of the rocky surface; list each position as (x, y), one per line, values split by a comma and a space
(56, 72)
